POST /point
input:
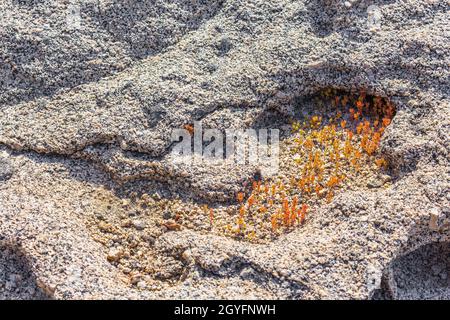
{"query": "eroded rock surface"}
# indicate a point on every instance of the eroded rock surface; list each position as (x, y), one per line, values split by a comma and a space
(421, 274)
(93, 107)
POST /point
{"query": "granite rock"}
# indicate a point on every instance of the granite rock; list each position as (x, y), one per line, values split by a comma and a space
(92, 105)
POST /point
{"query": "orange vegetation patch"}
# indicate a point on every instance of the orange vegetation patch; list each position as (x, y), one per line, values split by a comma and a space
(329, 150)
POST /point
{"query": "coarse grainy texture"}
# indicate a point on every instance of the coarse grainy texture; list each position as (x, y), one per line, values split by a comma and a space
(422, 273)
(89, 194)
(16, 279)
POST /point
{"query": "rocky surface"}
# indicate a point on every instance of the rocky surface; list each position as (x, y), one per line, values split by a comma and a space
(422, 274)
(86, 114)
(16, 279)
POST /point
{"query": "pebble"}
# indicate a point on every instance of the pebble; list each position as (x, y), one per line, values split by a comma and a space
(126, 223)
(172, 225)
(374, 183)
(187, 256)
(149, 239)
(167, 215)
(139, 224)
(385, 178)
(104, 226)
(136, 279)
(115, 254)
(126, 270)
(247, 273)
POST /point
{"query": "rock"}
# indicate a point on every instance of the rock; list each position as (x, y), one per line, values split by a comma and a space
(374, 183)
(187, 257)
(105, 226)
(126, 223)
(247, 273)
(89, 112)
(422, 273)
(150, 239)
(167, 215)
(141, 285)
(172, 225)
(115, 254)
(139, 224)
(135, 279)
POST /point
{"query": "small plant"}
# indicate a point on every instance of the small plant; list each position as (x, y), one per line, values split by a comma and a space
(242, 212)
(381, 163)
(251, 200)
(274, 222)
(328, 152)
(189, 128)
(211, 216)
(302, 213)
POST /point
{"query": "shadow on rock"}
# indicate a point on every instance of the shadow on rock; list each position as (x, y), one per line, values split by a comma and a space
(17, 280)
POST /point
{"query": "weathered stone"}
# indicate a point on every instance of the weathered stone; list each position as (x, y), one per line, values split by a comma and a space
(86, 107)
